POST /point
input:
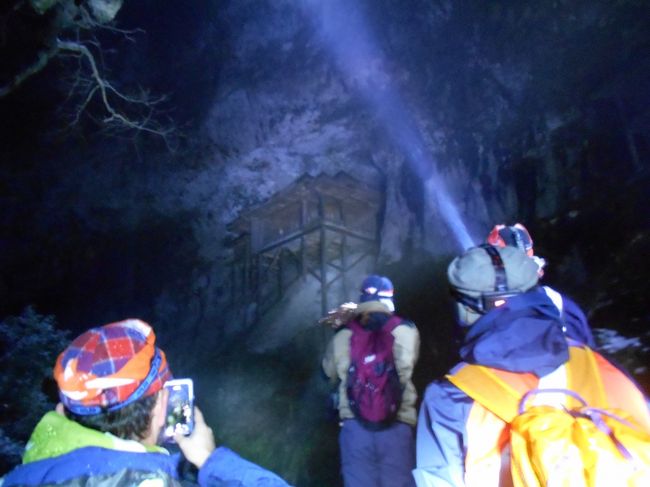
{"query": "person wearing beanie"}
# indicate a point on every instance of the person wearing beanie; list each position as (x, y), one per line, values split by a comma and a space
(106, 427)
(372, 454)
(515, 334)
(575, 321)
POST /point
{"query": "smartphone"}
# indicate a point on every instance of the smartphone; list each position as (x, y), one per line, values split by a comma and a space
(180, 408)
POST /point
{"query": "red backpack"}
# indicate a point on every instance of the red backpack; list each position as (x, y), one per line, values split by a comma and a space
(373, 386)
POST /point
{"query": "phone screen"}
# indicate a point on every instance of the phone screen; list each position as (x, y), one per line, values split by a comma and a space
(180, 408)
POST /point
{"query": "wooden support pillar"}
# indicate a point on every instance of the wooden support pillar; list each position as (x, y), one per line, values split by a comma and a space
(304, 217)
(344, 256)
(344, 265)
(323, 256)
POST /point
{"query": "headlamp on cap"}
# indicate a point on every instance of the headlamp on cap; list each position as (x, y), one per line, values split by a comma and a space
(378, 288)
(487, 301)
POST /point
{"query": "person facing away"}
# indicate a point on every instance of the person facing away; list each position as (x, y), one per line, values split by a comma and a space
(515, 331)
(575, 321)
(106, 428)
(375, 453)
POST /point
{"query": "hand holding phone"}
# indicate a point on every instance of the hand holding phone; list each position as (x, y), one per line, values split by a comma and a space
(179, 417)
(197, 447)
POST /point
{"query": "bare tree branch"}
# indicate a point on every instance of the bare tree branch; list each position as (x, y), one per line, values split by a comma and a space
(89, 90)
(105, 90)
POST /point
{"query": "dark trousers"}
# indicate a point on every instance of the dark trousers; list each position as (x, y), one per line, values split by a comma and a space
(382, 458)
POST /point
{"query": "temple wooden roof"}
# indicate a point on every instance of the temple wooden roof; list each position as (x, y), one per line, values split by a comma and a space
(355, 194)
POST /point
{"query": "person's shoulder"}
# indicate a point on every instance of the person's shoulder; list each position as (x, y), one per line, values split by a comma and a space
(341, 337)
(443, 390)
(343, 331)
(406, 330)
(560, 300)
(572, 308)
(101, 461)
(406, 322)
(446, 403)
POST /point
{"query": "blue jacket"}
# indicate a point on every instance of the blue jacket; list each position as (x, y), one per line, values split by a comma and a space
(63, 452)
(527, 335)
(524, 335)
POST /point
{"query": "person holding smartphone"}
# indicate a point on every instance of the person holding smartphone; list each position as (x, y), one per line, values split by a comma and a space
(108, 425)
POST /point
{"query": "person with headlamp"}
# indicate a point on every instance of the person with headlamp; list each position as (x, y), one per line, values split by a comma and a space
(514, 331)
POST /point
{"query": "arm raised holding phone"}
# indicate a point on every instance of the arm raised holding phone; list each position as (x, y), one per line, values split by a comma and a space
(220, 465)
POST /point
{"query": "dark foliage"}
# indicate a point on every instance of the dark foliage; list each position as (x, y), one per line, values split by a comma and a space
(29, 345)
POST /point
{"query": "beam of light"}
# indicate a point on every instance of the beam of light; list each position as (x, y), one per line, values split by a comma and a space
(345, 35)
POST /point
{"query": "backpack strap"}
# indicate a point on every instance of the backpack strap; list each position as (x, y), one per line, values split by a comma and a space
(584, 377)
(392, 323)
(353, 326)
(488, 389)
(501, 392)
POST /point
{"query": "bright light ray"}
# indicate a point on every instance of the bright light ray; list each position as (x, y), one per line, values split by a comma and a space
(346, 36)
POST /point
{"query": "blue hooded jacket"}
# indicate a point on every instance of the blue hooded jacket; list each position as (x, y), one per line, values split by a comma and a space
(523, 335)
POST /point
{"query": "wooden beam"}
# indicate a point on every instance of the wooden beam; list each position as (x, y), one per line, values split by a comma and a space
(303, 245)
(323, 257)
(316, 225)
(350, 233)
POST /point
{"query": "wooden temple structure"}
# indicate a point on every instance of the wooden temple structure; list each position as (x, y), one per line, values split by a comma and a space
(318, 227)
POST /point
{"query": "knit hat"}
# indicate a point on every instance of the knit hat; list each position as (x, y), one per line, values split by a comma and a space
(473, 273)
(109, 367)
(377, 288)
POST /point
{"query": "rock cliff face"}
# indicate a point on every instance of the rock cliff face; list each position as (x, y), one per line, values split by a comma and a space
(511, 134)
(465, 114)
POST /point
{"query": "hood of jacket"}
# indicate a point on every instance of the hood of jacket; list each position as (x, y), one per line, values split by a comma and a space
(523, 335)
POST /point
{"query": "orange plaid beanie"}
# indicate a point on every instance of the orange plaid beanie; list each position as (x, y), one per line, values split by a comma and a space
(109, 367)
